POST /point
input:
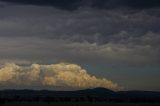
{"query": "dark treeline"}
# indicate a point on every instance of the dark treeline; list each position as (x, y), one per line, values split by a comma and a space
(89, 95)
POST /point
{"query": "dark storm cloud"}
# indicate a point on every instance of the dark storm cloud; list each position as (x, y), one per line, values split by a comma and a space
(49, 35)
(135, 4)
(62, 4)
(86, 35)
(101, 4)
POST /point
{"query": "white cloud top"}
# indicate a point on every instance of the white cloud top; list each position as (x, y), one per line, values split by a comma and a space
(54, 75)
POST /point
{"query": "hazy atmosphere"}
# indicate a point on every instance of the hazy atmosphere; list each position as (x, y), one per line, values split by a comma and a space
(78, 44)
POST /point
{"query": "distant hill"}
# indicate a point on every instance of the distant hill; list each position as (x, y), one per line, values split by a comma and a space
(88, 95)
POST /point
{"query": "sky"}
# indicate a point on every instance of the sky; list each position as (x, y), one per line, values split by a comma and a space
(78, 44)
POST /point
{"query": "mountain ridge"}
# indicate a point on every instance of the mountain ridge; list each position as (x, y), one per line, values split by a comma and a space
(95, 94)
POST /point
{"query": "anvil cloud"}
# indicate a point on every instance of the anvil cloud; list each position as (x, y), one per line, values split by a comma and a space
(54, 75)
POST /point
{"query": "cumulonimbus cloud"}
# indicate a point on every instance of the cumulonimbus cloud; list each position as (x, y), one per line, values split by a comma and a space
(54, 75)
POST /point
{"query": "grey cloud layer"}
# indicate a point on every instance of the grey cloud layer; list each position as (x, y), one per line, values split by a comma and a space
(36, 50)
(83, 24)
(30, 33)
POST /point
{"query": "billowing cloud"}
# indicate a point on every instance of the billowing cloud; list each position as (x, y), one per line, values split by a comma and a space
(54, 75)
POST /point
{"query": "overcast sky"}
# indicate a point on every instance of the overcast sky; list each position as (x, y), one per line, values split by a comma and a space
(118, 40)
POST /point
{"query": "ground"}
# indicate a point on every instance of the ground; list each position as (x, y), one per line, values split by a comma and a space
(76, 104)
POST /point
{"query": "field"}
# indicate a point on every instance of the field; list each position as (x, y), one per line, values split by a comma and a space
(77, 104)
